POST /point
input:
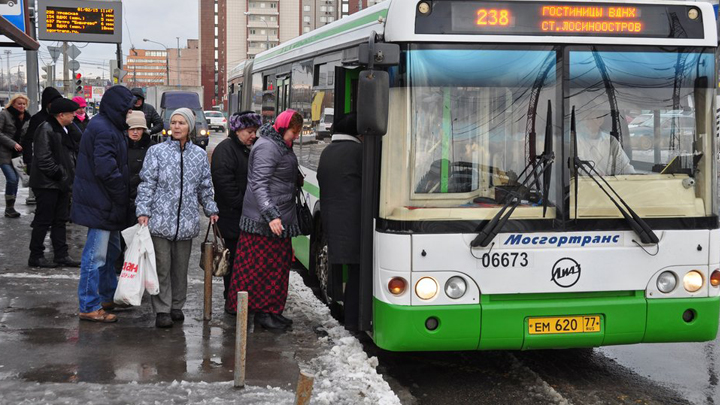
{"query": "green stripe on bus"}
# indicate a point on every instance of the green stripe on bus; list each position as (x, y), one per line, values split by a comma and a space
(301, 248)
(312, 189)
(344, 27)
(501, 323)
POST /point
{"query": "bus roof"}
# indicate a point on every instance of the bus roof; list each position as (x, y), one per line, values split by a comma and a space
(395, 21)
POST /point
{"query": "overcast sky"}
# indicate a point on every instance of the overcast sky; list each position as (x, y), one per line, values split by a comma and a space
(158, 20)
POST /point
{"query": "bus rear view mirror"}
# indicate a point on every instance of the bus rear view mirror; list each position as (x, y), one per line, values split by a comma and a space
(373, 102)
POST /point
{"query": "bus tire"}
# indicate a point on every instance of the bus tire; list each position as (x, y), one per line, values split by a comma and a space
(320, 270)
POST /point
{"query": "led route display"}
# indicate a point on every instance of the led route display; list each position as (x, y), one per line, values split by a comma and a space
(560, 18)
(80, 20)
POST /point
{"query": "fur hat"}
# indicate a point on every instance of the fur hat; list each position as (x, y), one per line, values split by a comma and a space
(245, 119)
(63, 105)
(137, 120)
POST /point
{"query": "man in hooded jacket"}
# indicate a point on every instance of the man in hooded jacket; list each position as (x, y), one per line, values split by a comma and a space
(154, 121)
(100, 202)
(48, 95)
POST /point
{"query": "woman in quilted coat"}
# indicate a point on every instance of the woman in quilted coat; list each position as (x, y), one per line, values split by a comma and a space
(268, 222)
(174, 178)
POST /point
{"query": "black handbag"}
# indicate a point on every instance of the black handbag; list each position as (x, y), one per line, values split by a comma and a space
(304, 216)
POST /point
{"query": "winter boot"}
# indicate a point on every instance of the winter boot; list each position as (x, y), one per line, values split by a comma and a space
(10, 207)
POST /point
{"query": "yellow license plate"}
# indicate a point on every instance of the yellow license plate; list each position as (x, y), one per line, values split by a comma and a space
(564, 324)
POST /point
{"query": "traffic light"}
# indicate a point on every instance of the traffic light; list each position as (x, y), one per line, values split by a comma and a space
(79, 84)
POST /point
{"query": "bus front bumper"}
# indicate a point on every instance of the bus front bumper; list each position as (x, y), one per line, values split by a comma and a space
(501, 322)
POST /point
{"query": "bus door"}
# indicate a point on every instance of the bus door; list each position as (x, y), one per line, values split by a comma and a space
(346, 84)
(346, 101)
(283, 94)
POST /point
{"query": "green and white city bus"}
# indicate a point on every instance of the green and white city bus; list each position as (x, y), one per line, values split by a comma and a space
(537, 174)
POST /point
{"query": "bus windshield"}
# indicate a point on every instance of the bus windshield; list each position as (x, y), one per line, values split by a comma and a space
(476, 117)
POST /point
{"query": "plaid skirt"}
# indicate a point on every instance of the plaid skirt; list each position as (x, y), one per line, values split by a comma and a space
(262, 268)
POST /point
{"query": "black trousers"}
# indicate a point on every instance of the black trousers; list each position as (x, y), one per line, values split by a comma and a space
(232, 245)
(51, 212)
(351, 296)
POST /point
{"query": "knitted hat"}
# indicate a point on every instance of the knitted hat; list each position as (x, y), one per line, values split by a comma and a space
(80, 100)
(137, 120)
(63, 105)
(188, 115)
(245, 119)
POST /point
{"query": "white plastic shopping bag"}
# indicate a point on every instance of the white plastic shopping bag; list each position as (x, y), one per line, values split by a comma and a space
(152, 284)
(138, 273)
(22, 171)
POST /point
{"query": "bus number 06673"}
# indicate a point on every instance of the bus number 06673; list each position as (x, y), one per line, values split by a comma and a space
(505, 259)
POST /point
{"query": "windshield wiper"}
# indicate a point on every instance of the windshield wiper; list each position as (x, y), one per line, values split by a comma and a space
(539, 166)
(639, 226)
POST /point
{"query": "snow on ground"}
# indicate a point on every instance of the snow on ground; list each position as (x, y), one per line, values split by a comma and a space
(343, 374)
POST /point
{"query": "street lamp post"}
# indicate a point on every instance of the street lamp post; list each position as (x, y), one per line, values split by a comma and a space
(18, 78)
(167, 59)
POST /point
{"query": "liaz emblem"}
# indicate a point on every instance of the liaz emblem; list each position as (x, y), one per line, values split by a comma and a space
(566, 272)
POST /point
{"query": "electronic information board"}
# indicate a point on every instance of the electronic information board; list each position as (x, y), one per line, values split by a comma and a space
(80, 21)
(561, 18)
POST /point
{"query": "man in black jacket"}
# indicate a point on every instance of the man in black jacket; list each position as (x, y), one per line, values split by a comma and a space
(153, 120)
(51, 178)
(339, 176)
(229, 175)
(48, 96)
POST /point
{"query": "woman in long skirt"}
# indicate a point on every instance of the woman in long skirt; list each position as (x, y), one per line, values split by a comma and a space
(268, 222)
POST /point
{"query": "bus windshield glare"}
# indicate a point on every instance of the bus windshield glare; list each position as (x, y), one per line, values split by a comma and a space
(477, 116)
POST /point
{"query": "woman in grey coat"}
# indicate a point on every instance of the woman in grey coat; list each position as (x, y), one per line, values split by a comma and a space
(174, 177)
(14, 120)
(269, 220)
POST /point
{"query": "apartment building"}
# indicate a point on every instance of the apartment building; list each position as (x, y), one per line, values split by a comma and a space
(232, 31)
(146, 68)
(348, 7)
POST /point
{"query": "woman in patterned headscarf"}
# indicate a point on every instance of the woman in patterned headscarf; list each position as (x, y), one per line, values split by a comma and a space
(229, 174)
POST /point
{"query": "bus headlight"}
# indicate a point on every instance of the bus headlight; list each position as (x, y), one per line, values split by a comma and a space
(169, 132)
(426, 288)
(455, 287)
(203, 132)
(397, 285)
(666, 282)
(693, 281)
(164, 132)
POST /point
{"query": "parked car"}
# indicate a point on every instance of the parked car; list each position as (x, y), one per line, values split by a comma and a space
(325, 124)
(216, 120)
(172, 100)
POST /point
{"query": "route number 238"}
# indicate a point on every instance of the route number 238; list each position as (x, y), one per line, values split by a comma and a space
(492, 17)
(507, 259)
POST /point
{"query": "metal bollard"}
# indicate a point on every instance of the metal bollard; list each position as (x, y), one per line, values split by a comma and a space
(207, 308)
(241, 339)
(304, 388)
